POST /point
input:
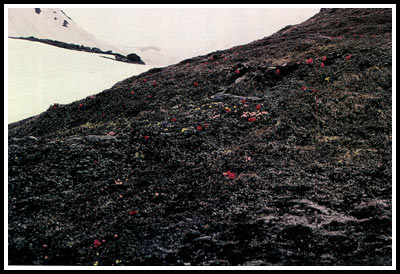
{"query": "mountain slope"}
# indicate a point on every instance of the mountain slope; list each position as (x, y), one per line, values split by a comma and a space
(53, 26)
(276, 152)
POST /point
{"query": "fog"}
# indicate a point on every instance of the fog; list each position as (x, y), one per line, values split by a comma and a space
(182, 33)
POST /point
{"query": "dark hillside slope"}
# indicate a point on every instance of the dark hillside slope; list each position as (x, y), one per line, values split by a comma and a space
(256, 155)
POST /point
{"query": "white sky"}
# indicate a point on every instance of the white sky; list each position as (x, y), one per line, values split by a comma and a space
(185, 32)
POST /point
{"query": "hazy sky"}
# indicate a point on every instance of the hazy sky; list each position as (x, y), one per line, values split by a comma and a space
(186, 31)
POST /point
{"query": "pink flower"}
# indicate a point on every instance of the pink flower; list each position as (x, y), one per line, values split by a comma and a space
(258, 106)
(278, 72)
(44, 245)
(348, 57)
(96, 243)
(322, 65)
(237, 71)
(195, 84)
(232, 175)
(145, 80)
(115, 235)
(154, 83)
(132, 92)
(199, 128)
(323, 58)
(303, 88)
(211, 58)
(244, 101)
(252, 119)
(146, 137)
(309, 61)
(80, 105)
(173, 119)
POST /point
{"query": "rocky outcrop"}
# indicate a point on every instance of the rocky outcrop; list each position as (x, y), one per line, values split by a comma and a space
(135, 59)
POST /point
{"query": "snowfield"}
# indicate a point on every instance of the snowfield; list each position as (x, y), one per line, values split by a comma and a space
(40, 75)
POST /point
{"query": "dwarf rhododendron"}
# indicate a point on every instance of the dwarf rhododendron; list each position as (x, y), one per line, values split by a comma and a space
(96, 243)
(348, 57)
(173, 119)
(309, 61)
(199, 128)
(252, 119)
(195, 84)
(145, 80)
(322, 65)
(146, 137)
(237, 71)
(278, 72)
(132, 92)
(258, 106)
(80, 105)
(132, 212)
(231, 175)
(303, 88)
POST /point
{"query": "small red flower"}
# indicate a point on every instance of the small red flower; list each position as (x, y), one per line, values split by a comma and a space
(199, 128)
(145, 80)
(173, 119)
(348, 57)
(252, 119)
(149, 96)
(258, 106)
(55, 106)
(323, 58)
(115, 235)
(103, 241)
(231, 175)
(211, 58)
(309, 61)
(132, 212)
(322, 65)
(132, 92)
(303, 88)
(96, 243)
(44, 245)
(278, 72)
(154, 83)
(206, 125)
(195, 84)
(244, 101)
(237, 71)
(146, 137)
(80, 105)
(103, 114)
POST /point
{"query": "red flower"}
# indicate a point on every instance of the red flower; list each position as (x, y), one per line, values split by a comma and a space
(199, 128)
(206, 125)
(96, 243)
(252, 119)
(132, 212)
(173, 119)
(145, 80)
(44, 245)
(323, 58)
(309, 61)
(303, 88)
(244, 101)
(146, 137)
(211, 58)
(154, 83)
(149, 96)
(55, 106)
(258, 106)
(132, 92)
(115, 235)
(348, 57)
(322, 65)
(195, 84)
(237, 71)
(278, 72)
(80, 105)
(231, 175)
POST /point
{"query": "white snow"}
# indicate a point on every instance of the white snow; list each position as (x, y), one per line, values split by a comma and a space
(25, 22)
(40, 75)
